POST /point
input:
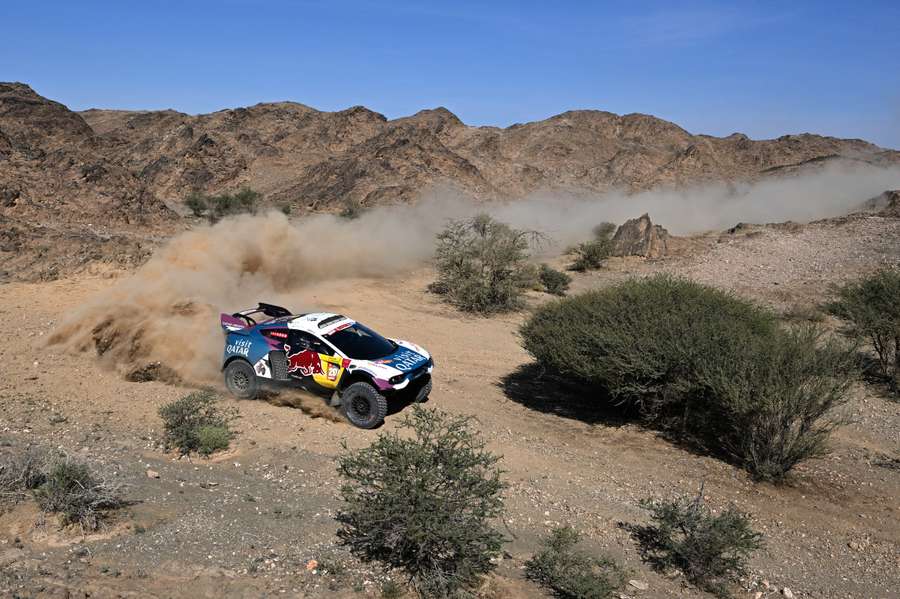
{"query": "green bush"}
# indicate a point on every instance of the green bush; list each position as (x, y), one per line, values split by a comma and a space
(571, 573)
(711, 550)
(196, 423)
(211, 439)
(197, 204)
(590, 255)
(352, 209)
(772, 402)
(217, 207)
(71, 490)
(424, 503)
(554, 281)
(714, 370)
(871, 306)
(483, 265)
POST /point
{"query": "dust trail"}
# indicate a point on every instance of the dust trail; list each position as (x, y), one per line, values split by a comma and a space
(167, 312)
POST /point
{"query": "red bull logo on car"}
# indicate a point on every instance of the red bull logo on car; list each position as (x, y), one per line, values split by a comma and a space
(307, 362)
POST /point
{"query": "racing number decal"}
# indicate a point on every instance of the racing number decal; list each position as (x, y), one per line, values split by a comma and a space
(330, 372)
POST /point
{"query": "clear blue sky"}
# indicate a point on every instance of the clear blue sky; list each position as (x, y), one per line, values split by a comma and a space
(763, 68)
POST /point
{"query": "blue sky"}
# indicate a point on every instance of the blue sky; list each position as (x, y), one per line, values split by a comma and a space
(762, 68)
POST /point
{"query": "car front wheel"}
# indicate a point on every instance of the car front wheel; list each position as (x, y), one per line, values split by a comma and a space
(241, 380)
(363, 405)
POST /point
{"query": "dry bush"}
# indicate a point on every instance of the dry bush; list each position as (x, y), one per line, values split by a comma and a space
(77, 495)
(711, 550)
(21, 472)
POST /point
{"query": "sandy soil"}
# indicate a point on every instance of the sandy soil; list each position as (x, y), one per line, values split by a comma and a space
(245, 524)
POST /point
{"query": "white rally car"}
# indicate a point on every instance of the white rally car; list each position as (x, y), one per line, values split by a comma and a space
(327, 354)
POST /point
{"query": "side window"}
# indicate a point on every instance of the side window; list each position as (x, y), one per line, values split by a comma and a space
(301, 340)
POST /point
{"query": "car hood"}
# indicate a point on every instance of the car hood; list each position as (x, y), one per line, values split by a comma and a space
(406, 358)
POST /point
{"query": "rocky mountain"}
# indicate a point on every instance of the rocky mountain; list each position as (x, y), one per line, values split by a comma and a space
(315, 160)
(78, 187)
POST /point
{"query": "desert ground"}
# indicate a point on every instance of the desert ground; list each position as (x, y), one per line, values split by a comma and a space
(248, 523)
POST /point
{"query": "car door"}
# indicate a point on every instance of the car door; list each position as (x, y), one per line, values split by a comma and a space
(312, 360)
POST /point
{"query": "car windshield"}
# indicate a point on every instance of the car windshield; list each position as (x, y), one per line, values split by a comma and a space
(359, 342)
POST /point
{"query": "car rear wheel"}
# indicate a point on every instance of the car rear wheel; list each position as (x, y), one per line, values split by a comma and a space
(241, 380)
(363, 405)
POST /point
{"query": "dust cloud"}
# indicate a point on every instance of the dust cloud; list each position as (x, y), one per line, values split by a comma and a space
(167, 312)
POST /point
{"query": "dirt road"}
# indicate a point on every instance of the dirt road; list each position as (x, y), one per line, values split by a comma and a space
(246, 523)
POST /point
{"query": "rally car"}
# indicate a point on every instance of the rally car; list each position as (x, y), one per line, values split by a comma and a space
(328, 354)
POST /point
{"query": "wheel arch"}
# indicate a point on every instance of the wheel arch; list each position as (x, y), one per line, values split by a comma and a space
(356, 376)
(234, 359)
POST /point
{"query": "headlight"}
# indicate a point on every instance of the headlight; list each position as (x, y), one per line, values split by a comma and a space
(396, 379)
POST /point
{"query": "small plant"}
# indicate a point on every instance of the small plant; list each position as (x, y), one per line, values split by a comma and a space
(554, 281)
(286, 209)
(217, 207)
(352, 209)
(196, 423)
(196, 203)
(211, 438)
(423, 504)
(77, 495)
(21, 472)
(590, 255)
(871, 306)
(711, 550)
(571, 573)
(483, 265)
(391, 590)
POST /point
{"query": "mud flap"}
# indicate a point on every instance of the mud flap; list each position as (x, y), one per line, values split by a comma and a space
(335, 399)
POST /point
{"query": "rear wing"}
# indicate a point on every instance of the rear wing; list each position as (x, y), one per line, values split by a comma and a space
(244, 319)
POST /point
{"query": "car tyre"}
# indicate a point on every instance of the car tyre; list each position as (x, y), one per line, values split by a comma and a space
(363, 405)
(423, 393)
(241, 380)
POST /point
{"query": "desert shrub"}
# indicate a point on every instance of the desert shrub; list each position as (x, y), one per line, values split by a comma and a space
(711, 550)
(391, 590)
(483, 264)
(424, 503)
(20, 472)
(352, 208)
(554, 281)
(571, 573)
(871, 306)
(772, 402)
(197, 204)
(77, 495)
(211, 439)
(714, 370)
(591, 254)
(217, 207)
(286, 209)
(196, 423)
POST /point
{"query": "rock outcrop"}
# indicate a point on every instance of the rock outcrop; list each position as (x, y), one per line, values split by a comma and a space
(640, 237)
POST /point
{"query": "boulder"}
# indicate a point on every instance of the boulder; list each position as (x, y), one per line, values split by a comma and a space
(640, 237)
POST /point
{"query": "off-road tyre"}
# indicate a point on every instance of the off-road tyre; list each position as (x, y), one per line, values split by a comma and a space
(363, 405)
(241, 380)
(423, 393)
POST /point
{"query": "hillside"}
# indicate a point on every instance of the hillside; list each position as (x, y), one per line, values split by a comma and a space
(106, 185)
(317, 160)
